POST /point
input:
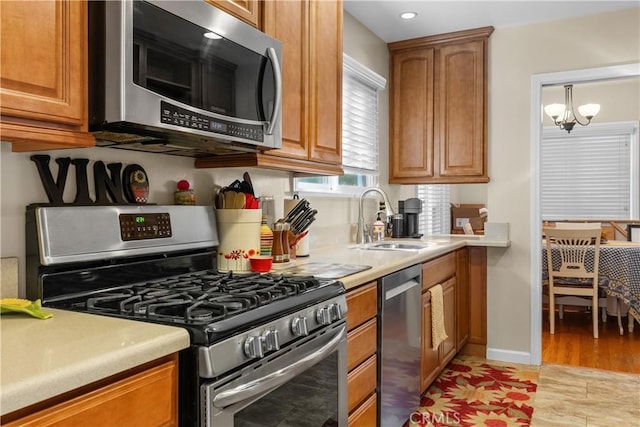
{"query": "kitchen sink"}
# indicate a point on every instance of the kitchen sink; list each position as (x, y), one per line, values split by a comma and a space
(392, 246)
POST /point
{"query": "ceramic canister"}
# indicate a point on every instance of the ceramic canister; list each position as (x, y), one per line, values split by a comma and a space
(239, 235)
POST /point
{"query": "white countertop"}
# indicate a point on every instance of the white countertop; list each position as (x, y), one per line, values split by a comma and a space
(44, 358)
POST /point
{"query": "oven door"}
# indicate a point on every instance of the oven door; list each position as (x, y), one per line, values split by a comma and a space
(304, 384)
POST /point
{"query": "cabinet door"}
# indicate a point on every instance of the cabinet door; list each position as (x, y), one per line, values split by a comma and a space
(246, 10)
(325, 69)
(288, 21)
(459, 114)
(43, 69)
(430, 366)
(411, 148)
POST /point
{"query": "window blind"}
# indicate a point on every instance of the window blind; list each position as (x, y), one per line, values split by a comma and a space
(591, 173)
(436, 208)
(360, 88)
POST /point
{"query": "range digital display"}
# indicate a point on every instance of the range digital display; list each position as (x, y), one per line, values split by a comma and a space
(147, 226)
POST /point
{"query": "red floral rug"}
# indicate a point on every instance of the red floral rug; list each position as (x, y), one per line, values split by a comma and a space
(472, 392)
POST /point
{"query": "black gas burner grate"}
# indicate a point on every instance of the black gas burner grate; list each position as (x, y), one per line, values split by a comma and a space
(200, 297)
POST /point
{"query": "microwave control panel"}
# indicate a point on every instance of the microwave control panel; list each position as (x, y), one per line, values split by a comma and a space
(145, 226)
(173, 115)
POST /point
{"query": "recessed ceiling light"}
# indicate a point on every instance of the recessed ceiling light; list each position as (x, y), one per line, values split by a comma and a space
(408, 15)
(212, 36)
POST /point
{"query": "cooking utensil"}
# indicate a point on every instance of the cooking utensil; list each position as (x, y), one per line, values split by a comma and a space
(239, 201)
(247, 180)
(229, 199)
(219, 200)
(250, 201)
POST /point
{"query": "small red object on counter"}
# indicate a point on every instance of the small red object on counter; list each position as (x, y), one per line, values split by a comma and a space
(184, 195)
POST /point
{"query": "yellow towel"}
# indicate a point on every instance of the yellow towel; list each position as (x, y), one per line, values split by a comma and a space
(438, 332)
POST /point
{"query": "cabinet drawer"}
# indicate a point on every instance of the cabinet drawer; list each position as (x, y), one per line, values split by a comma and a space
(366, 415)
(362, 304)
(361, 343)
(438, 270)
(148, 398)
(361, 382)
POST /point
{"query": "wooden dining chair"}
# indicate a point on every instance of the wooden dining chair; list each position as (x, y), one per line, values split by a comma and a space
(574, 276)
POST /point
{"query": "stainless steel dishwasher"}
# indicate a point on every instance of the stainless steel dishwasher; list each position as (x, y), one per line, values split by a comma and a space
(399, 339)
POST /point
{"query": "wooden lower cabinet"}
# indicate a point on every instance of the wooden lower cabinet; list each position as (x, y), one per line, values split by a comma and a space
(361, 382)
(462, 297)
(362, 306)
(366, 414)
(477, 342)
(434, 360)
(141, 398)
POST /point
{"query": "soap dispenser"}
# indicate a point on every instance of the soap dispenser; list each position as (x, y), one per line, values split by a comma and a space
(377, 230)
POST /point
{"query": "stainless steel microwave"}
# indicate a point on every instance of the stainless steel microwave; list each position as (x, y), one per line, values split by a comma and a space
(181, 78)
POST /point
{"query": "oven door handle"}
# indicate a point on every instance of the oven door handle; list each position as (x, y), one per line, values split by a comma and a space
(279, 377)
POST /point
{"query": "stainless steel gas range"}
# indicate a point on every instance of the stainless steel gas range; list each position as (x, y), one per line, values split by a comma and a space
(266, 350)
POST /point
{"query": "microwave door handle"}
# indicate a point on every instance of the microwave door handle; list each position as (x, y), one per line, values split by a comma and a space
(277, 74)
(279, 377)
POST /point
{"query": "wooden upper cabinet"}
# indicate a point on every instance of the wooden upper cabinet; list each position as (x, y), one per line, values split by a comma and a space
(247, 10)
(438, 129)
(43, 75)
(325, 111)
(460, 114)
(287, 21)
(311, 36)
(411, 152)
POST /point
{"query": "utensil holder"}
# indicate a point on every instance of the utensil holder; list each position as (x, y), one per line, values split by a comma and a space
(239, 235)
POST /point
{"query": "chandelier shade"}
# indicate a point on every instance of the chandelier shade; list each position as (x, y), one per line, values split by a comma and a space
(564, 116)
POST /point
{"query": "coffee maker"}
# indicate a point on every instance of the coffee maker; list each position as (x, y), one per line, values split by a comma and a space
(410, 209)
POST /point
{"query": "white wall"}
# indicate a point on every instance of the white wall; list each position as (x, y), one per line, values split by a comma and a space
(516, 53)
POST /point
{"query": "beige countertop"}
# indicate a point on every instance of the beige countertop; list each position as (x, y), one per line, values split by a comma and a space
(44, 358)
(384, 262)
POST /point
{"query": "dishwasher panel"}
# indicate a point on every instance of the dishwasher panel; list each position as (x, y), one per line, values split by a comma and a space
(399, 345)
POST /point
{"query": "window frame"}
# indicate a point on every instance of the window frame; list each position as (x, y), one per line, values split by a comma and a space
(333, 185)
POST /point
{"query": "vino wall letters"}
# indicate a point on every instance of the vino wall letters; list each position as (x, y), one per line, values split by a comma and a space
(112, 187)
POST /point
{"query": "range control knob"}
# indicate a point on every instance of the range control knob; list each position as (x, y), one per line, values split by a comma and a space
(323, 316)
(299, 327)
(253, 347)
(270, 340)
(335, 311)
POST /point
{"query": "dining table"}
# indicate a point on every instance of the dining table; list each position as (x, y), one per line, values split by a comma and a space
(618, 273)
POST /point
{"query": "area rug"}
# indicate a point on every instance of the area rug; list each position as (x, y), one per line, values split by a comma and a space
(474, 392)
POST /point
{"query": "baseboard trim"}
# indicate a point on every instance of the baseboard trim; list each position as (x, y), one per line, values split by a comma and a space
(522, 357)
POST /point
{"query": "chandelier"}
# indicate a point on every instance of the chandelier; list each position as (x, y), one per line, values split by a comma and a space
(563, 115)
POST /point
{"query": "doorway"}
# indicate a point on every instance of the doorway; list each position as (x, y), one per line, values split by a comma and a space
(539, 81)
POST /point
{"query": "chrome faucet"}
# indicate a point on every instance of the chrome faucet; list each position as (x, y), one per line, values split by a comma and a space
(360, 237)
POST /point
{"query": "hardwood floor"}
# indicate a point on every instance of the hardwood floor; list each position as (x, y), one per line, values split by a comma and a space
(573, 343)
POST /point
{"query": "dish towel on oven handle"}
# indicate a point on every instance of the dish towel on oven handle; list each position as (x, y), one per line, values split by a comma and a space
(438, 332)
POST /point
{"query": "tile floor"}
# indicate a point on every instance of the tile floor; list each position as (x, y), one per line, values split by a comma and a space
(582, 397)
